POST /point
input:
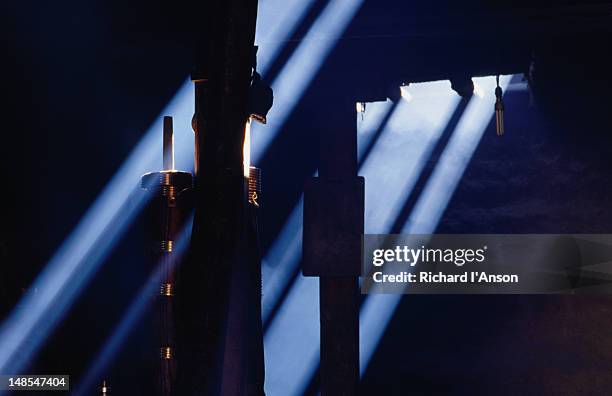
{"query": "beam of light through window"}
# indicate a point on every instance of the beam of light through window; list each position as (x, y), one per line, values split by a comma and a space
(378, 309)
(134, 313)
(291, 342)
(282, 259)
(301, 68)
(296, 326)
(276, 22)
(454, 159)
(80, 255)
(393, 167)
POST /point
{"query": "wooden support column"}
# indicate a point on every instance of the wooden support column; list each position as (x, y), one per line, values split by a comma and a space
(333, 224)
(206, 314)
(339, 305)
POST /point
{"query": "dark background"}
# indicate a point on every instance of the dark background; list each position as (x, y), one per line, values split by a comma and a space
(82, 81)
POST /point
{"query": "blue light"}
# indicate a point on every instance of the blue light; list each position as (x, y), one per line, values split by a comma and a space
(79, 257)
(378, 309)
(301, 68)
(394, 165)
(133, 314)
(282, 259)
(276, 22)
(368, 124)
(75, 262)
(454, 159)
(292, 341)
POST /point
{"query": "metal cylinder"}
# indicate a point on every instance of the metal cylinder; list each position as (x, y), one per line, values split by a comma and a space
(254, 185)
(166, 215)
(169, 208)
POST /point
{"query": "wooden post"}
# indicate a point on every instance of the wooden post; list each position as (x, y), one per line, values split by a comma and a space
(222, 78)
(333, 224)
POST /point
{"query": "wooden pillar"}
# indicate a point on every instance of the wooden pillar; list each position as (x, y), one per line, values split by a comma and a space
(222, 79)
(333, 224)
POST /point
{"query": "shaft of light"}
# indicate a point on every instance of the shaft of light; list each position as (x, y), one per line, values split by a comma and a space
(276, 22)
(301, 68)
(55, 289)
(133, 314)
(378, 309)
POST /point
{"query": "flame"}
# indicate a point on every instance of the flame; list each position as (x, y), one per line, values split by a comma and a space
(246, 149)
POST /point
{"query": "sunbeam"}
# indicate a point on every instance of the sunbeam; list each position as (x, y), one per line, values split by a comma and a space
(79, 257)
(378, 309)
(133, 314)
